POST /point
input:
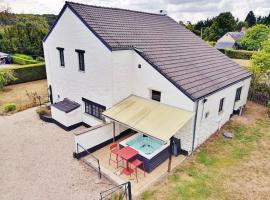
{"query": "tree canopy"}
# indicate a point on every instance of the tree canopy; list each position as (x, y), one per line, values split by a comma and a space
(222, 24)
(23, 33)
(250, 19)
(254, 37)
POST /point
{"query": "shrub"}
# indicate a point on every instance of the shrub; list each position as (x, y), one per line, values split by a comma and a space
(43, 111)
(21, 60)
(6, 77)
(40, 59)
(28, 73)
(8, 107)
(239, 54)
(23, 56)
(211, 43)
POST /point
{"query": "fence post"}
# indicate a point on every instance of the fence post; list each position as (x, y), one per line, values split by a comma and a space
(129, 191)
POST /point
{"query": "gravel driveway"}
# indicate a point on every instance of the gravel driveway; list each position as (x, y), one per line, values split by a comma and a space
(36, 162)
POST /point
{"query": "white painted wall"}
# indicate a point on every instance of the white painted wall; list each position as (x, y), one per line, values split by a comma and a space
(95, 83)
(207, 126)
(67, 119)
(96, 135)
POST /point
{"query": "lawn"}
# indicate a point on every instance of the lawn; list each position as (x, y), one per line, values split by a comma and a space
(17, 93)
(222, 169)
(242, 62)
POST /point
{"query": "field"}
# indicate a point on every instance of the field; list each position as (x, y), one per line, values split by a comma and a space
(244, 63)
(222, 168)
(17, 93)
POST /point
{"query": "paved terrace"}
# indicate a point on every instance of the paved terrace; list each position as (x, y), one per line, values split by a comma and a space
(115, 175)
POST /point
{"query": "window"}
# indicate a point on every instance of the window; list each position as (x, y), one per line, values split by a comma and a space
(156, 95)
(81, 59)
(93, 108)
(61, 55)
(238, 94)
(221, 103)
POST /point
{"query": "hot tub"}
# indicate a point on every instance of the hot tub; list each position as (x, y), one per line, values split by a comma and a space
(151, 151)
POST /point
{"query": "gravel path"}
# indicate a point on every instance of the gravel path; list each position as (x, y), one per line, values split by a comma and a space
(36, 162)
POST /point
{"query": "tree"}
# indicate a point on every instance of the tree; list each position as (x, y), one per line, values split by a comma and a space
(222, 24)
(254, 37)
(25, 36)
(191, 27)
(250, 19)
(260, 66)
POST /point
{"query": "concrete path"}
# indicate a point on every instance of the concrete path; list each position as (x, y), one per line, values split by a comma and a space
(36, 162)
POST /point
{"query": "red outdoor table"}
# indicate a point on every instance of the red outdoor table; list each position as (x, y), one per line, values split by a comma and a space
(126, 153)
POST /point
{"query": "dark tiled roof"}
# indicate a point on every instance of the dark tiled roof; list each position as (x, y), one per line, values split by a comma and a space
(66, 105)
(193, 66)
(236, 35)
(224, 45)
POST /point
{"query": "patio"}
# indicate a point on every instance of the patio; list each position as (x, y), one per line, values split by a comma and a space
(114, 174)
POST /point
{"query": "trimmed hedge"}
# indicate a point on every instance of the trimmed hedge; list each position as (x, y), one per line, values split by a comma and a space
(239, 54)
(23, 61)
(26, 73)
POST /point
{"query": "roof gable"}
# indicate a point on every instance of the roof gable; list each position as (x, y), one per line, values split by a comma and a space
(193, 66)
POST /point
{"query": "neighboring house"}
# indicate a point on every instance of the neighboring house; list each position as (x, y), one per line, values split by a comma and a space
(97, 57)
(229, 40)
(4, 58)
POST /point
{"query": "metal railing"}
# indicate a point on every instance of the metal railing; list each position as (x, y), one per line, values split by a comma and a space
(120, 192)
(88, 153)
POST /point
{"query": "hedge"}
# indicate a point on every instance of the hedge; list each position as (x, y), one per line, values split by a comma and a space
(23, 61)
(26, 73)
(238, 54)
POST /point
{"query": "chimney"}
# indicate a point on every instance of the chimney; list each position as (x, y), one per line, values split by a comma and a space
(163, 12)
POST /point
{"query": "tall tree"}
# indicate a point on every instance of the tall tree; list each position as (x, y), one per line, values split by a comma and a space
(222, 24)
(254, 37)
(250, 19)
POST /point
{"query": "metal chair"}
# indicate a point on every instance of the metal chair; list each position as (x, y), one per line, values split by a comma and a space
(136, 163)
(114, 148)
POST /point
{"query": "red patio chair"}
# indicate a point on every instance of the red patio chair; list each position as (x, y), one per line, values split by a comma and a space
(136, 163)
(114, 148)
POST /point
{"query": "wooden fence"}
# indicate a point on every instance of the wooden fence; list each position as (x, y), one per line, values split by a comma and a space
(259, 98)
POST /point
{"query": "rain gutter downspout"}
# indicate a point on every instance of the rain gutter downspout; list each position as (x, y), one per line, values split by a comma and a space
(194, 125)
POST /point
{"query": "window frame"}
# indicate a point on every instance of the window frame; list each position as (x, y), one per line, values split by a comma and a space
(61, 56)
(81, 59)
(153, 95)
(238, 93)
(94, 109)
(221, 105)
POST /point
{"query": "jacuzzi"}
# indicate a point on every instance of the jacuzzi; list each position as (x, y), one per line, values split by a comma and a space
(151, 151)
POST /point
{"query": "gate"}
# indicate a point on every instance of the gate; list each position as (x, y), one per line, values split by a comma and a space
(120, 192)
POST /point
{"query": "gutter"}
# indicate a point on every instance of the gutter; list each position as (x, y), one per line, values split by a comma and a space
(194, 125)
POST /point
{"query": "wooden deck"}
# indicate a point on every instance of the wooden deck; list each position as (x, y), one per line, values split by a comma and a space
(114, 174)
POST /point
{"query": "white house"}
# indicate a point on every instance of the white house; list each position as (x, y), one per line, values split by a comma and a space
(100, 58)
(229, 40)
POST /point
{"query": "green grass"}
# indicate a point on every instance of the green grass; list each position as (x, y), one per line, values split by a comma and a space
(202, 177)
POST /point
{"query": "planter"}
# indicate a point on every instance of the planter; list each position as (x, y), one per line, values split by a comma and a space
(46, 118)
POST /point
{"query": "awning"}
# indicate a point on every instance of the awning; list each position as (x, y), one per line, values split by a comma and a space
(149, 117)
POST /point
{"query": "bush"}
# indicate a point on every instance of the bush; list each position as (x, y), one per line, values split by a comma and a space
(40, 59)
(23, 60)
(26, 73)
(239, 54)
(8, 107)
(23, 56)
(211, 43)
(43, 111)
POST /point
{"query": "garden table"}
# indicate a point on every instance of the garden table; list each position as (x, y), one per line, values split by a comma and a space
(127, 153)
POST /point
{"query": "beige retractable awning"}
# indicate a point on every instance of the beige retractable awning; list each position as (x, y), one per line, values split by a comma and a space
(150, 117)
